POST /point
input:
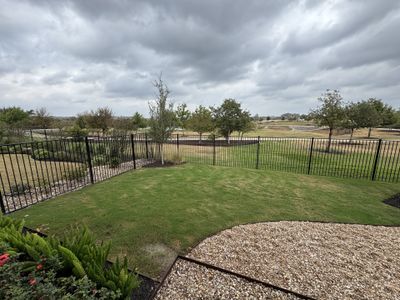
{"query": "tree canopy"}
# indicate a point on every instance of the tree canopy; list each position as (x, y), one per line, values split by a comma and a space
(201, 121)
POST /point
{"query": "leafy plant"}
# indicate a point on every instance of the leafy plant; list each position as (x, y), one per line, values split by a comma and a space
(115, 162)
(41, 154)
(19, 188)
(99, 160)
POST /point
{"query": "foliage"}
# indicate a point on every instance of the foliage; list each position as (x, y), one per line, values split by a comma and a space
(201, 121)
(99, 160)
(19, 188)
(162, 117)
(41, 154)
(331, 113)
(76, 174)
(100, 119)
(230, 117)
(138, 121)
(17, 283)
(387, 115)
(78, 252)
(77, 132)
(182, 116)
(115, 162)
(13, 116)
(41, 118)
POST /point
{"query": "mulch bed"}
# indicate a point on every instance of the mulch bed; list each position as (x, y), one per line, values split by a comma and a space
(218, 143)
(157, 164)
(393, 201)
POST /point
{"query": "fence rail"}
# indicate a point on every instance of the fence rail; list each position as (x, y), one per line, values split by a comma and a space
(34, 171)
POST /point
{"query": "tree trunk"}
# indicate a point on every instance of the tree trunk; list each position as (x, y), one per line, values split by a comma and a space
(369, 132)
(328, 147)
(161, 153)
(228, 138)
(351, 135)
(201, 134)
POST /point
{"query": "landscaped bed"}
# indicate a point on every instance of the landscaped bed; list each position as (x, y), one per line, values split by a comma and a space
(152, 214)
(323, 261)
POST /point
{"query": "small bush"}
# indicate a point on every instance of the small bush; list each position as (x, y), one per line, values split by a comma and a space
(19, 188)
(41, 154)
(76, 174)
(60, 155)
(99, 149)
(115, 162)
(99, 160)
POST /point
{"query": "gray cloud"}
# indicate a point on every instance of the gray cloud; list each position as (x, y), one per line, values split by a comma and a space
(273, 56)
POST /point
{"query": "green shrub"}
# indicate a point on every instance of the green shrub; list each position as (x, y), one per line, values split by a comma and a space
(19, 188)
(60, 155)
(114, 162)
(77, 253)
(17, 283)
(99, 149)
(99, 160)
(76, 174)
(41, 154)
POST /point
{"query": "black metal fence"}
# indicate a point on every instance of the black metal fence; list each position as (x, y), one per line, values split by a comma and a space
(34, 171)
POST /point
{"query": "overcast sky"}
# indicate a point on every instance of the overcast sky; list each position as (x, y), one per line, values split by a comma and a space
(272, 56)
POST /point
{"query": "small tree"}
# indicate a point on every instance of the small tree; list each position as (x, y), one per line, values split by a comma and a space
(182, 116)
(138, 121)
(246, 124)
(331, 113)
(228, 117)
(162, 117)
(14, 120)
(386, 114)
(102, 119)
(201, 121)
(41, 118)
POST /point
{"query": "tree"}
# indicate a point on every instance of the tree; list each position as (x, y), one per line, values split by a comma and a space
(162, 117)
(182, 115)
(331, 113)
(15, 119)
(138, 121)
(100, 119)
(229, 117)
(386, 114)
(42, 118)
(201, 121)
(246, 124)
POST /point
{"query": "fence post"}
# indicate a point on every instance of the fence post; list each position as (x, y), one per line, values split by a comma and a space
(258, 152)
(214, 150)
(147, 146)
(3, 208)
(89, 160)
(378, 150)
(133, 152)
(177, 142)
(310, 157)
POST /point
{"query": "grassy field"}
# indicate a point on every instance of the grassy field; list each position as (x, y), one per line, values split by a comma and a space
(21, 168)
(152, 214)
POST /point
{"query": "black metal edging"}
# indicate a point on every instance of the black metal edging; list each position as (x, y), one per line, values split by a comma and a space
(247, 278)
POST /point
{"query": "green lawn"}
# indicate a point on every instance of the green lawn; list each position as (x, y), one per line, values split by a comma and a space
(151, 214)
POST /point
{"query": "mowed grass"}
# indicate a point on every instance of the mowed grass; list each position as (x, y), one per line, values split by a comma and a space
(355, 160)
(23, 169)
(152, 214)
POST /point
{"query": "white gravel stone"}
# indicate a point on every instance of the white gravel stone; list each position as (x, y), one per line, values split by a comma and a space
(192, 281)
(324, 261)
